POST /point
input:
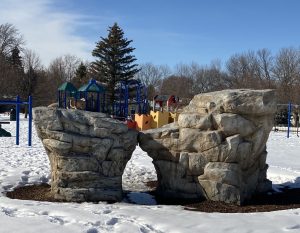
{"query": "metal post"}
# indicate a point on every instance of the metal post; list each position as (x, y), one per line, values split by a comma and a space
(65, 99)
(93, 103)
(17, 120)
(145, 100)
(289, 119)
(30, 121)
(86, 100)
(98, 102)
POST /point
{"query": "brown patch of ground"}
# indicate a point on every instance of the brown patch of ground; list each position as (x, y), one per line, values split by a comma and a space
(272, 201)
(152, 184)
(286, 199)
(39, 192)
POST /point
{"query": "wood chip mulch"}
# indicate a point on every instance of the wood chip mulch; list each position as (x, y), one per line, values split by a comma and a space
(272, 201)
(285, 199)
(41, 192)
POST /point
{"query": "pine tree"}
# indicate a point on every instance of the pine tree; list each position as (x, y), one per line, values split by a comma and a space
(114, 60)
(29, 83)
(81, 75)
(18, 76)
(15, 58)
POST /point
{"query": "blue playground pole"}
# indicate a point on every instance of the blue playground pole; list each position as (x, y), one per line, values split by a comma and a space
(289, 119)
(17, 120)
(86, 100)
(30, 121)
(65, 100)
(98, 102)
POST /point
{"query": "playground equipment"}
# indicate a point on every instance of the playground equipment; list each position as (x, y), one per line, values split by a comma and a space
(143, 121)
(131, 98)
(130, 103)
(285, 114)
(90, 97)
(18, 102)
(171, 102)
(65, 92)
(290, 106)
(94, 96)
(173, 117)
(159, 119)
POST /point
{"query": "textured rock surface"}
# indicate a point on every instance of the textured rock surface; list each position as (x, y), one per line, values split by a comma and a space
(217, 149)
(88, 153)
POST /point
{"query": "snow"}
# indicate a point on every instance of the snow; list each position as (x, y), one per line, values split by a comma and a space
(22, 165)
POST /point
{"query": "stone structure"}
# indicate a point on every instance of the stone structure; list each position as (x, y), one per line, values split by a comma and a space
(217, 150)
(88, 153)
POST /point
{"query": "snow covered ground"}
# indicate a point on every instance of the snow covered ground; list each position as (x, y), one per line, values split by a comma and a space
(23, 165)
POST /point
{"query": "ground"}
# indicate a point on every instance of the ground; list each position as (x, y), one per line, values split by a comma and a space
(23, 166)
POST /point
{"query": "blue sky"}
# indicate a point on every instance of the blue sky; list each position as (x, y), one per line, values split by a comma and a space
(163, 32)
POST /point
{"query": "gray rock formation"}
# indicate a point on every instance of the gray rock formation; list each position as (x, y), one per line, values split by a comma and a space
(217, 149)
(88, 153)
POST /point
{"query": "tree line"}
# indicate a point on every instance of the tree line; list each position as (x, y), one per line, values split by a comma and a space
(253, 69)
(22, 72)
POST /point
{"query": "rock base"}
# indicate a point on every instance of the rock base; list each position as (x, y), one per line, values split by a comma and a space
(88, 153)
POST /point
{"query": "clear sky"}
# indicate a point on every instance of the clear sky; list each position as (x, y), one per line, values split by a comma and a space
(163, 31)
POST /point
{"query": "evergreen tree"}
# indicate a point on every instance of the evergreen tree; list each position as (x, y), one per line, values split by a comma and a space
(28, 84)
(81, 75)
(114, 61)
(15, 58)
(17, 70)
(30, 81)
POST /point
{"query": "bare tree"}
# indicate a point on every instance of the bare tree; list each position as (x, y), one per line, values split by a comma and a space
(10, 61)
(265, 61)
(177, 85)
(244, 70)
(205, 78)
(31, 59)
(45, 91)
(71, 64)
(8, 79)
(64, 68)
(185, 70)
(9, 39)
(152, 76)
(32, 66)
(287, 73)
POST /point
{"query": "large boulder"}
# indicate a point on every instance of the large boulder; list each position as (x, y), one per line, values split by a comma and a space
(88, 153)
(217, 150)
